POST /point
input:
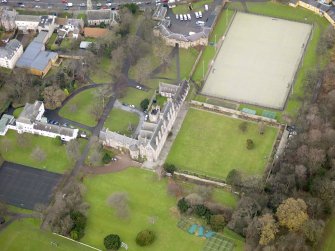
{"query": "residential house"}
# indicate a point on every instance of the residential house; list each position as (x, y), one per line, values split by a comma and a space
(7, 19)
(10, 53)
(96, 17)
(69, 27)
(27, 23)
(47, 24)
(31, 120)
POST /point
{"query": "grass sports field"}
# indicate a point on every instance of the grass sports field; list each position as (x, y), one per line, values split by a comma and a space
(26, 235)
(119, 121)
(56, 159)
(147, 197)
(79, 108)
(328, 241)
(263, 70)
(212, 144)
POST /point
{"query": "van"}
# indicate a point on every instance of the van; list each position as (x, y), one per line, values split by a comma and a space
(69, 4)
(200, 14)
(196, 14)
(181, 17)
(188, 16)
(185, 17)
(200, 23)
(206, 7)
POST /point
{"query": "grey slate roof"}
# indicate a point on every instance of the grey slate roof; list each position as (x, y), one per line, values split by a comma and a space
(41, 37)
(28, 18)
(10, 49)
(4, 121)
(45, 21)
(54, 129)
(98, 14)
(30, 112)
(36, 57)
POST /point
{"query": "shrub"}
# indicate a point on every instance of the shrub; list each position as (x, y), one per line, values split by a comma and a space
(144, 104)
(145, 238)
(202, 211)
(234, 178)
(250, 144)
(169, 168)
(183, 205)
(106, 158)
(79, 224)
(217, 222)
(112, 241)
(243, 126)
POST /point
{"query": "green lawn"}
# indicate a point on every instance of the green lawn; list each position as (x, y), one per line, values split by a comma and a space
(26, 235)
(51, 42)
(212, 144)
(147, 197)
(134, 96)
(119, 121)
(79, 107)
(17, 112)
(197, 6)
(209, 51)
(56, 158)
(311, 58)
(328, 240)
(224, 197)
(102, 73)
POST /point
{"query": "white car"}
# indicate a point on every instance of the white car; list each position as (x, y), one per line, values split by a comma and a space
(177, 16)
(109, 4)
(206, 7)
(200, 23)
(3, 1)
(188, 16)
(37, 7)
(181, 17)
(200, 14)
(69, 4)
(82, 5)
(131, 106)
(185, 17)
(196, 14)
(138, 87)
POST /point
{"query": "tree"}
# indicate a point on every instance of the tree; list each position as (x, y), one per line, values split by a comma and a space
(202, 211)
(73, 149)
(106, 158)
(38, 154)
(142, 70)
(269, 228)
(313, 230)
(250, 144)
(162, 51)
(243, 126)
(119, 201)
(169, 168)
(234, 178)
(183, 205)
(144, 104)
(79, 223)
(96, 110)
(292, 214)
(194, 199)
(112, 242)
(145, 238)
(217, 222)
(102, 25)
(133, 8)
(53, 97)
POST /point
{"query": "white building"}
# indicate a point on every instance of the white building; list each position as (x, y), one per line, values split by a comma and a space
(10, 53)
(47, 24)
(154, 132)
(27, 23)
(31, 120)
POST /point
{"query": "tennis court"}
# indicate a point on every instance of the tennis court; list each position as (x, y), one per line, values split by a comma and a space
(219, 243)
(24, 186)
(258, 60)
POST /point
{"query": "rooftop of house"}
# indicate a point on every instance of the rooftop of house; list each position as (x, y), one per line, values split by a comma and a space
(4, 121)
(84, 44)
(46, 21)
(108, 135)
(41, 37)
(163, 87)
(70, 21)
(99, 14)
(9, 50)
(35, 57)
(28, 18)
(30, 112)
(54, 129)
(159, 13)
(10, 14)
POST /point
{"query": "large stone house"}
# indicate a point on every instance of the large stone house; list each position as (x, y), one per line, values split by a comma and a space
(10, 53)
(27, 23)
(7, 19)
(154, 132)
(31, 120)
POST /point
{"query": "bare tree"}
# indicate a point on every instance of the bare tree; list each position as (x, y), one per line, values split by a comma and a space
(53, 97)
(38, 154)
(119, 201)
(73, 149)
(96, 110)
(142, 70)
(6, 144)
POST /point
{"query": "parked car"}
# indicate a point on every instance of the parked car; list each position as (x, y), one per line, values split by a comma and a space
(82, 5)
(114, 159)
(200, 23)
(3, 1)
(189, 17)
(185, 17)
(131, 106)
(206, 7)
(177, 16)
(146, 117)
(196, 14)
(37, 7)
(99, 4)
(69, 4)
(200, 14)
(138, 87)
(181, 17)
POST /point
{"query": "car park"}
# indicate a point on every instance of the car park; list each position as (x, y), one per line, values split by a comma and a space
(200, 14)
(189, 17)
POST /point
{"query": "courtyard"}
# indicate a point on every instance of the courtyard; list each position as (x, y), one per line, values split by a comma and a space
(263, 71)
(212, 144)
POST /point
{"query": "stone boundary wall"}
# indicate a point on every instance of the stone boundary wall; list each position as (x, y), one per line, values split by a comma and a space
(236, 113)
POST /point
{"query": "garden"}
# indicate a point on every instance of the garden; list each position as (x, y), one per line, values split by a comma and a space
(135, 198)
(220, 145)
